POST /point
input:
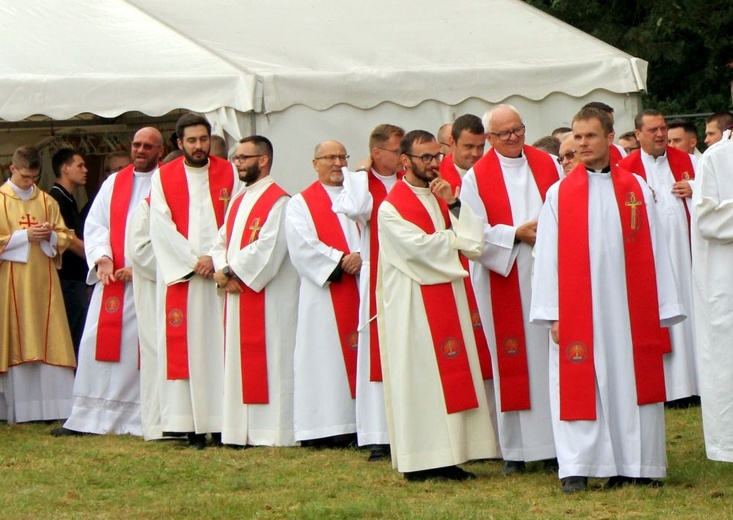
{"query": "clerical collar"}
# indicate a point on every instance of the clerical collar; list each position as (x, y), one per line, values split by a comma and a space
(137, 173)
(197, 169)
(652, 158)
(606, 169)
(510, 160)
(461, 171)
(22, 194)
(259, 182)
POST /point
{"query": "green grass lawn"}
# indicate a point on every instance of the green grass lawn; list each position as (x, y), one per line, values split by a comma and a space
(124, 477)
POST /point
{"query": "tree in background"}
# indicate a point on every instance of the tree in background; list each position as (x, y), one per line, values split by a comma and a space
(688, 44)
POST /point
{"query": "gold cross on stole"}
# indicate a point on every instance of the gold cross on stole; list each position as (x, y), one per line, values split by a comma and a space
(633, 203)
(254, 228)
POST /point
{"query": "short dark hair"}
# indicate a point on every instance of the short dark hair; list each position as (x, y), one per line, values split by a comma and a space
(63, 157)
(722, 119)
(27, 157)
(191, 119)
(262, 145)
(595, 113)
(548, 144)
(687, 126)
(382, 133)
(608, 109)
(639, 119)
(468, 122)
(561, 130)
(415, 136)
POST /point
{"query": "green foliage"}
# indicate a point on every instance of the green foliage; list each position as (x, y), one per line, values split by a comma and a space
(688, 44)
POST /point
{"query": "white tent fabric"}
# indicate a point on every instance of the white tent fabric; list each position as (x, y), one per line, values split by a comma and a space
(300, 72)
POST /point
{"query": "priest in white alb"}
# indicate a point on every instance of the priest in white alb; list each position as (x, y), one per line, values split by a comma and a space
(712, 239)
(187, 204)
(36, 354)
(139, 252)
(261, 285)
(360, 199)
(670, 173)
(107, 385)
(324, 249)
(437, 411)
(603, 282)
(506, 189)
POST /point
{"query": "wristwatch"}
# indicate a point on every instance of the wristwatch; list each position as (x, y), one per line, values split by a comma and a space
(227, 271)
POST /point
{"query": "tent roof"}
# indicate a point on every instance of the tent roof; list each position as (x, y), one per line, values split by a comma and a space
(65, 57)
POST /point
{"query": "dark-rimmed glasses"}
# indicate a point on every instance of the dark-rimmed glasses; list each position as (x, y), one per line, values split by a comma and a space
(505, 135)
(426, 158)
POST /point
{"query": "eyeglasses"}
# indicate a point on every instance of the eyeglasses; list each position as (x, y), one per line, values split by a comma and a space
(242, 158)
(630, 149)
(426, 158)
(396, 151)
(504, 136)
(333, 157)
(569, 155)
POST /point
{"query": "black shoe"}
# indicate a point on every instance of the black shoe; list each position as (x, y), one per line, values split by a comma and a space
(574, 484)
(346, 440)
(618, 481)
(455, 473)
(379, 452)
(513, 467)
(423, 475)
(65, 432)
(197, 441)
(216, 440)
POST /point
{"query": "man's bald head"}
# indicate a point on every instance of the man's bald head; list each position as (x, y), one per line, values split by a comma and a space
(147, 149)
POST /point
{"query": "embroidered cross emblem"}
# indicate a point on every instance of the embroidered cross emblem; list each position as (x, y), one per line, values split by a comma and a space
(632, 203)
(254, 228)
(25, 224)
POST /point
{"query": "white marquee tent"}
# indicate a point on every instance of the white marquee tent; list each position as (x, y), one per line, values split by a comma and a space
(303, 71)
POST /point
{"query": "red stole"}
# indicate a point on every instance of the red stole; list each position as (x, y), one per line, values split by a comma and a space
(345, 292)
(614, 154)
(681, 166)
(175, 190)
(449, 172)
(506, 297)
(577, 369)
(441, 311)
(109, 326)
(252, 342)
(378, 192)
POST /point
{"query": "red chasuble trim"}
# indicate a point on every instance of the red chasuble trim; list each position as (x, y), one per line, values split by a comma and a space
(379, 192)
(344, 293)
(252, 337)
(577, 369)
(681, 166)
(441, 311)
(506, 296)
(614, 154)
(449, 172)
(109, 326)
(175, 190)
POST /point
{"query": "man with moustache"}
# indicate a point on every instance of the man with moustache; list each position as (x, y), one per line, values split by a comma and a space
(436, 403)
(506, 189)
(603, 282)
(467, 141)
(360, 199)
(107, 385)
(670, 174)
(253, 268)
(188, 201)
(324, 248)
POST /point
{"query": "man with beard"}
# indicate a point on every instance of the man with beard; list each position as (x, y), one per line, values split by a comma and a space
(467, 146)
(107, 385)
(324, 248)
(253, 268)
(506, 189)
(188, 201)
(436, 404)
(360, 199)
